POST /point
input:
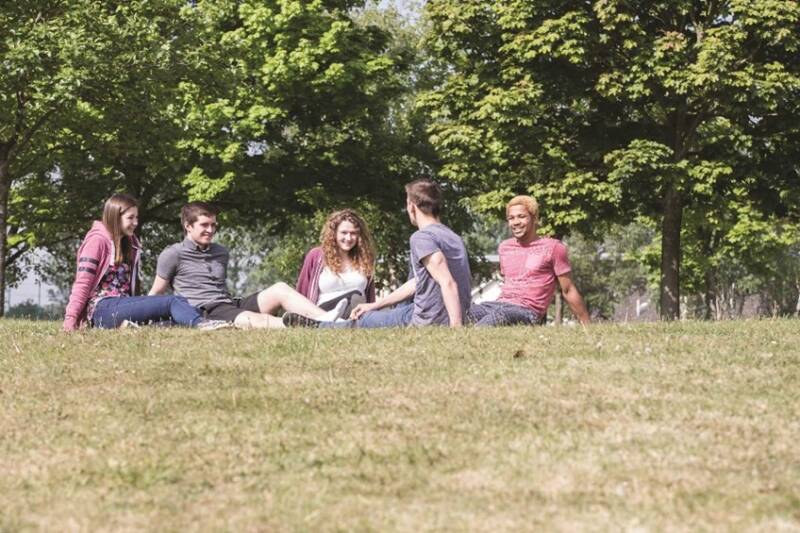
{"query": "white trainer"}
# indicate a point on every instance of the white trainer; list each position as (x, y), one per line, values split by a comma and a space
(211, 325)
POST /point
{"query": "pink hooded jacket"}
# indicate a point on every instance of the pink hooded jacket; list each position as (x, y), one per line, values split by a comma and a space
(95, 255)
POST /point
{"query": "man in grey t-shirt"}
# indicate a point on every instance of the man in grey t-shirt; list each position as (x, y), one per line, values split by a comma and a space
(197, 269)
(439, 291)
(429, 301)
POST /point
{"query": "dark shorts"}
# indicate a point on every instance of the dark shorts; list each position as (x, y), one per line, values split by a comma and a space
(229, 311)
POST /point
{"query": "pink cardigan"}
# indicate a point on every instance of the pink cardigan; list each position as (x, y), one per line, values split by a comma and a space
(95, 255)
(308, 280)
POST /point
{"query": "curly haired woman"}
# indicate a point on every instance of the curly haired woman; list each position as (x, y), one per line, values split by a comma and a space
(343, 265)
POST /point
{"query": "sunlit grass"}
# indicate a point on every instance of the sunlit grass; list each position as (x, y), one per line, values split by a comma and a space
(658, 426)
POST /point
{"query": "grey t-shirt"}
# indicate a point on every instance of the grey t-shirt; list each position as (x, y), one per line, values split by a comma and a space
(429, 306)
(196, 274)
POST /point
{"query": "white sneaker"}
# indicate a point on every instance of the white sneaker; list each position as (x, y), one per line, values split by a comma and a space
(127, 324)
(336, 312)
(211, 325)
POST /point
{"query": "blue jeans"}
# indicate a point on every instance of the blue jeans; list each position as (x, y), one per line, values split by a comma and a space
(111, 312)
(501, 314)
(398, 316)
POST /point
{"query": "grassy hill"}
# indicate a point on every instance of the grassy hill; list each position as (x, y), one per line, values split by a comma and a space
(657, 426)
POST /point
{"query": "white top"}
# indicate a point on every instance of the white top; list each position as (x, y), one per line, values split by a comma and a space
(332, 285)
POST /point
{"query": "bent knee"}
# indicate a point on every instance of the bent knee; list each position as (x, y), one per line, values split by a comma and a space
(279, 286)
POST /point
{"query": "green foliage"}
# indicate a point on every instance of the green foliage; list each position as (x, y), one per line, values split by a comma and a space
(48, 56)
(609, 271)
(31, 311)
(603, 109)
(274, 110)
(298, 102)
(113, 129)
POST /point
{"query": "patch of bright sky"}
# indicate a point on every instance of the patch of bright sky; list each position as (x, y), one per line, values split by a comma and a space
(410, 9)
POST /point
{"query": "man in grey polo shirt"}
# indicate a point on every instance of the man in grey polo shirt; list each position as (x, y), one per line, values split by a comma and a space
(197, 268)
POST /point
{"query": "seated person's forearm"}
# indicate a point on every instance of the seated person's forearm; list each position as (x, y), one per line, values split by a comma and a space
(578, 307)
(160, 286)
(402, 293)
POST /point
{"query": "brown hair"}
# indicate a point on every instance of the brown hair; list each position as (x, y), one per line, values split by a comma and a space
(426, 195)
(362, 254)
(113, 210)
(194, 210)
(528, 202)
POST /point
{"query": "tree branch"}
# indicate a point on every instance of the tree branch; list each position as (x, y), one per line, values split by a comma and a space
(33, 129)
(18, 252)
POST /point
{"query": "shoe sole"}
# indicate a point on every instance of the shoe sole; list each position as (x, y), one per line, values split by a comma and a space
(297, 320)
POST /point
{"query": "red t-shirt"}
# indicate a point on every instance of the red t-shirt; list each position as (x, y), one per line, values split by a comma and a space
(530, 271)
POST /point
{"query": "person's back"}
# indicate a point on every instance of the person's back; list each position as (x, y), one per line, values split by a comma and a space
(429, 307)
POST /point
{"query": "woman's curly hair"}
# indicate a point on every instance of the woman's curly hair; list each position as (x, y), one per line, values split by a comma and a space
(362, 254)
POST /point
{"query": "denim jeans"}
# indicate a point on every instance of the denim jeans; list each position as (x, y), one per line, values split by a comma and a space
(111, 312)
(500, 314)
(398, 316)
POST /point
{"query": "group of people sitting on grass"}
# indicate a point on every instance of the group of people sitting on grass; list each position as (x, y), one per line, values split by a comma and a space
(336, 285)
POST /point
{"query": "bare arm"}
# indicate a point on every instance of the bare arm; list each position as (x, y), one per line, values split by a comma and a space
(436, 264)
(403, 292)
(573, 298)
(160, 286)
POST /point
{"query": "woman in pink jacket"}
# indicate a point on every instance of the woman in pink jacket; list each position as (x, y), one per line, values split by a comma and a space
(105, 283)
(342, 266)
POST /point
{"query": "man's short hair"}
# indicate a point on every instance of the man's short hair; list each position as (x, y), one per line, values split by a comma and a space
(528, 202)
(194, 210)
(426, 195)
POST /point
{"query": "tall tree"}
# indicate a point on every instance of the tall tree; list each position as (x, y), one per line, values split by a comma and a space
(88, 109)
(310, 108)
(270, 108)
(299, 112)
(46, 56)
(613, 109)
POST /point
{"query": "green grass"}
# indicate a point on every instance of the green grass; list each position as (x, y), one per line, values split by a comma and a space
(684, 426)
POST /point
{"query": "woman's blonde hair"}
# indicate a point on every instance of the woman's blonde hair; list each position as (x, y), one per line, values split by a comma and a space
(113, 210)
(362, 254)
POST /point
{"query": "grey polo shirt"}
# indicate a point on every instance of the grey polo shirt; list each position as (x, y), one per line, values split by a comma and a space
(196, 274)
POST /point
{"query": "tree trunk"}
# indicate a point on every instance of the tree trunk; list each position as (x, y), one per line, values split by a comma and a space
(671, 254)
(559, 318)
(710, 297)
(5, 187)
(797, 305)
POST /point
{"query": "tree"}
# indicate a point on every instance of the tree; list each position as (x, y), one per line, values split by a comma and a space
(608, 110)
(46, 57)
(297, 115)
(88, 109)
(310, 109)
(274, 110)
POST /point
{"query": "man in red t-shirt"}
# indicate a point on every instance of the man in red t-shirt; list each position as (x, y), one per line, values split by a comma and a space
(530, 265)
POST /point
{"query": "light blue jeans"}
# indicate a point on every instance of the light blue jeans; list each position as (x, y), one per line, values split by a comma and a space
(110, 312)
(398, 316)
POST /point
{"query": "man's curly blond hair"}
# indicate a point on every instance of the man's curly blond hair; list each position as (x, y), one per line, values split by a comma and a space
(529, 203)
